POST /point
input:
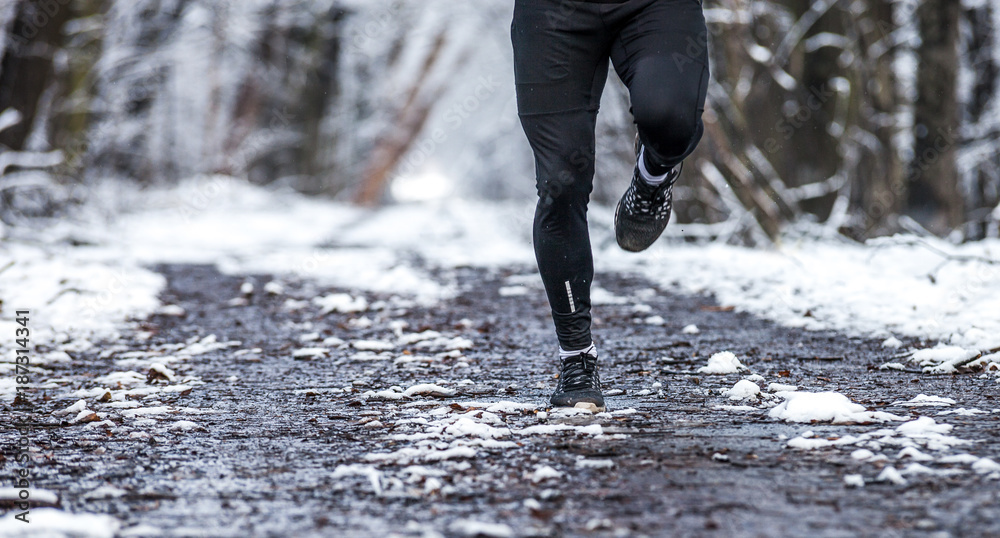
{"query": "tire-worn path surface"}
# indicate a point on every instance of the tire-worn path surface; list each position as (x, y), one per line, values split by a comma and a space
(286, 422)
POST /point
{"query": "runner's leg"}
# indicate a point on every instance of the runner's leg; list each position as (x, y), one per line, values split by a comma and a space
(661, 54)
(560, 65)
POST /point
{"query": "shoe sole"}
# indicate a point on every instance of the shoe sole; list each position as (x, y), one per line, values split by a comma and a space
(630, 244)
(592, 407)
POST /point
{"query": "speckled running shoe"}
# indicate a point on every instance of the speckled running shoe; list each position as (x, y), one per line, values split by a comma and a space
(644, 210)
(579, 384)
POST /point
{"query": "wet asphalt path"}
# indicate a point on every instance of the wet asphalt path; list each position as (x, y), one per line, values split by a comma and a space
(283, 444)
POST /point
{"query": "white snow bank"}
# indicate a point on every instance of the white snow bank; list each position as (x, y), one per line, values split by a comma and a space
(825, 407)
(74, 295)
(873, 289)
(724, 362)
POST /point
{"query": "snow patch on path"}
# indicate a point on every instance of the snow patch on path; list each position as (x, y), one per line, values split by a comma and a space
(825, 407)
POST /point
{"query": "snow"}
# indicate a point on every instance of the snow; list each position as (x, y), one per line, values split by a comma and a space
(854, 481)
(743, 390)
(160, 410)
(804, 443)
(162, 370)
(372, 345)
(891, 474)
(37, 495)
(544, 472)
(366, 471)
(584, 463)
(409, 455)
(825, 407)
(341, 302)
(986, 466)
(428, 389)
(858, 289)
(412, 338)
(467, 427)
(510, 407)
(781, 387)
(922, 400)
(963, 412)
(75, 408)
(50, 522)
(862, 454)
(549, 429)
(310, 352)
(923, 427)
(691, 329)
(724, 362)
(274, 288)
(914, 454)
(514, 291)
(892, 343)
(943, 359)
(184, 426)
(471, 528)
(965, 458)
(654, 320)
(105, 492)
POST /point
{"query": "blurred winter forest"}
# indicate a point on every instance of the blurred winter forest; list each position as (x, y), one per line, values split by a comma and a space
(861, 117)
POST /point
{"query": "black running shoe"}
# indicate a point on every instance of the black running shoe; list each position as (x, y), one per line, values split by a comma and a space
(579, 384)
(644, 210)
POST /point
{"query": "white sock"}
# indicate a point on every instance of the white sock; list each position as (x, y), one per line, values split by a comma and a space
(590, 350)
(644, 173)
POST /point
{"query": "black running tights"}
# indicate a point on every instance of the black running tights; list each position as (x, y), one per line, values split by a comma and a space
(561, 54)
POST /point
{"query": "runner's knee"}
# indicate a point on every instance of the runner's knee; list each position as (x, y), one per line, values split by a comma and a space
(669, 123)
(667, 105)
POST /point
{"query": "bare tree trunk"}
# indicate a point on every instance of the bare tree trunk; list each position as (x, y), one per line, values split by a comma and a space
(410, 119)
(935, 195)
(983, 177)
(26, 68)
(879, 193)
